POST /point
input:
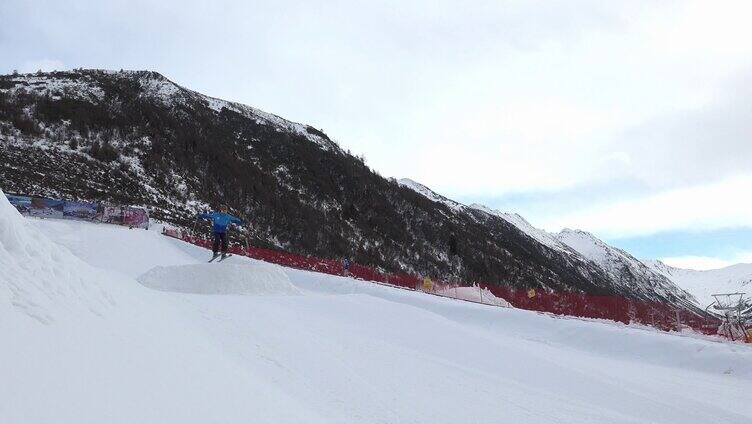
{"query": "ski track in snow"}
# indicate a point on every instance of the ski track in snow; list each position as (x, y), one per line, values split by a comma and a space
(308, 347)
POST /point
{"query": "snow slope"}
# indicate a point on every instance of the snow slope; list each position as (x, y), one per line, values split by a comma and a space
(702, 284)
(339, 350)
(81, 344)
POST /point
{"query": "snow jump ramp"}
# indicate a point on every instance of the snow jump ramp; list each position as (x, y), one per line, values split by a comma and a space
(250, 279)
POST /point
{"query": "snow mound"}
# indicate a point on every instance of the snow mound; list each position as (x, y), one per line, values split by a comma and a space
(254, 279)
(40, 278)
(474, 294)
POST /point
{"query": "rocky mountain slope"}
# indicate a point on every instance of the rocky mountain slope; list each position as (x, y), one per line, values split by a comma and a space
(136, 137)
(625, 271)
(622, 267)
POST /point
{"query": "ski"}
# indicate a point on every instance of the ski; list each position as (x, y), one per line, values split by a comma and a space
(224, 257)
(213, 258)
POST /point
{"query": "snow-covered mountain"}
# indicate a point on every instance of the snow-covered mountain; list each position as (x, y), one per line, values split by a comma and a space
(644, 276)
(430, 194)
(543, 237)
(623, 269)
(703, 284)
(514, 219)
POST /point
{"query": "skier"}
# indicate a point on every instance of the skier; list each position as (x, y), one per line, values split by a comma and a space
(220, 221)
(346, 267)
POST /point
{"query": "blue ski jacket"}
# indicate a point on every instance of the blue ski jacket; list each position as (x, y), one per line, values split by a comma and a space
(220, 220)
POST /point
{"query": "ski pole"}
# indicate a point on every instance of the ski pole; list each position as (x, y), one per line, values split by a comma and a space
(193, 231)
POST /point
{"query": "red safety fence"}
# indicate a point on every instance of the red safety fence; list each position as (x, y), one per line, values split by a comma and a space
(309, 263)
(615, 308)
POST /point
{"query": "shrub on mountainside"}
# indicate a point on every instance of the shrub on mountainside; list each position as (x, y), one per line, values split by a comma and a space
(26, 125)
(105, 152)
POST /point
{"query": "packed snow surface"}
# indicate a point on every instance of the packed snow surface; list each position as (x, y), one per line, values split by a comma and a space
(109, 349)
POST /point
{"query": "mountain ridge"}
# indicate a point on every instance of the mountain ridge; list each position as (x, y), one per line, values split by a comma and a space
(618, 264)
(696, 285)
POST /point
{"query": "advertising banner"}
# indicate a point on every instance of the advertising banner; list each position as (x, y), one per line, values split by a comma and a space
(135, 217)
(112, 215)
(80, 210)
(50, 208)
(46, 208)
(22, 203)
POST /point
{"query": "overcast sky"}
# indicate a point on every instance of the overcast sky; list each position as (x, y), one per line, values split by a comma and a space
(629, 119)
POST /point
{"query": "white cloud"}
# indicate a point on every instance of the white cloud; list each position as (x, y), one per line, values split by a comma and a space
(699, 263)
(647, 100)
(44, 65)
(517, 145)
(705, 262)
(722, 204)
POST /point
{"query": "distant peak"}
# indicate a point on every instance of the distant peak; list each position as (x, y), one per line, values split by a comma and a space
(411, 183)
(429, 194)
(492, 211)
(483, 208)
(580, 233)
(416, 186)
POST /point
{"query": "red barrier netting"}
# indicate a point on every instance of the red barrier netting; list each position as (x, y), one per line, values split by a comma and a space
(658, 315)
